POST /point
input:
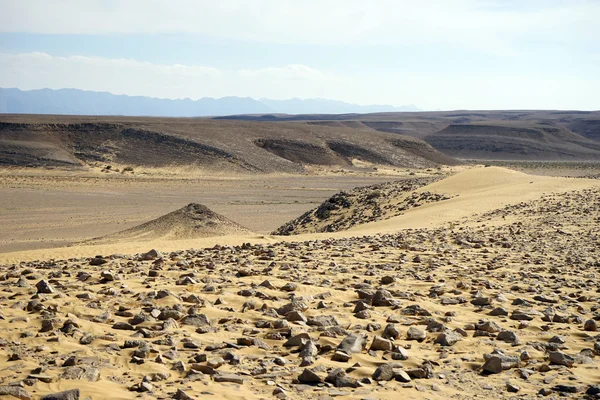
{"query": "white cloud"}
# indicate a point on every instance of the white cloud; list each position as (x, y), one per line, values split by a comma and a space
(504, 91)
(119, 76)
(125, 76)
(486, 25)
(289, 72)
(290, 81)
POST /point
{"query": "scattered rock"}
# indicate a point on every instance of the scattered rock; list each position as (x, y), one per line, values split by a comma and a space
(233, 378)
(66, 395)
(15, 391)
(448, 338)
(560, 358)
(44, 286)
(493, 365)
(309, 377)
(415, 333)
(590, 325)
(383, 298)
(353, 343)
(380, 343)
(384, 372)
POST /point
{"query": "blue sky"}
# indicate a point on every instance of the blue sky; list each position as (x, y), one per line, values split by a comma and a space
(435, 54)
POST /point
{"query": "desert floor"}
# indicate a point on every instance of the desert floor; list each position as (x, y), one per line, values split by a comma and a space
(492, 293)
(53, 208)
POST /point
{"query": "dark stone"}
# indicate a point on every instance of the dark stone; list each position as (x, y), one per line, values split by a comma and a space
(309, 377)
(66, 395)
(353, 343)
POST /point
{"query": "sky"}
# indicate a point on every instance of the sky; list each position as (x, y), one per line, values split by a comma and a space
(435, 54)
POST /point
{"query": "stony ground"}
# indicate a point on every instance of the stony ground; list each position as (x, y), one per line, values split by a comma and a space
(506, 305)
(365, 204)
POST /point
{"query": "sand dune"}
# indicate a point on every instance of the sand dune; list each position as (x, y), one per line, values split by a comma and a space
(475, 191)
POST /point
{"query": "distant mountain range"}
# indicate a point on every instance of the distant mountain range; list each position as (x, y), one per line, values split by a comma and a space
(81, 102)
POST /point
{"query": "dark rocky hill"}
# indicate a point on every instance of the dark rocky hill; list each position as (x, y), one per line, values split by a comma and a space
(225, 146)
(483, 135)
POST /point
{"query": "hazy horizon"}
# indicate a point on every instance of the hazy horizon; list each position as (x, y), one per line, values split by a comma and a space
(204, 97)
(465, 55)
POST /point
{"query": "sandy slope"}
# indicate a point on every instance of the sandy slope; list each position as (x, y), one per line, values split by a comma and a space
(477, 191)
